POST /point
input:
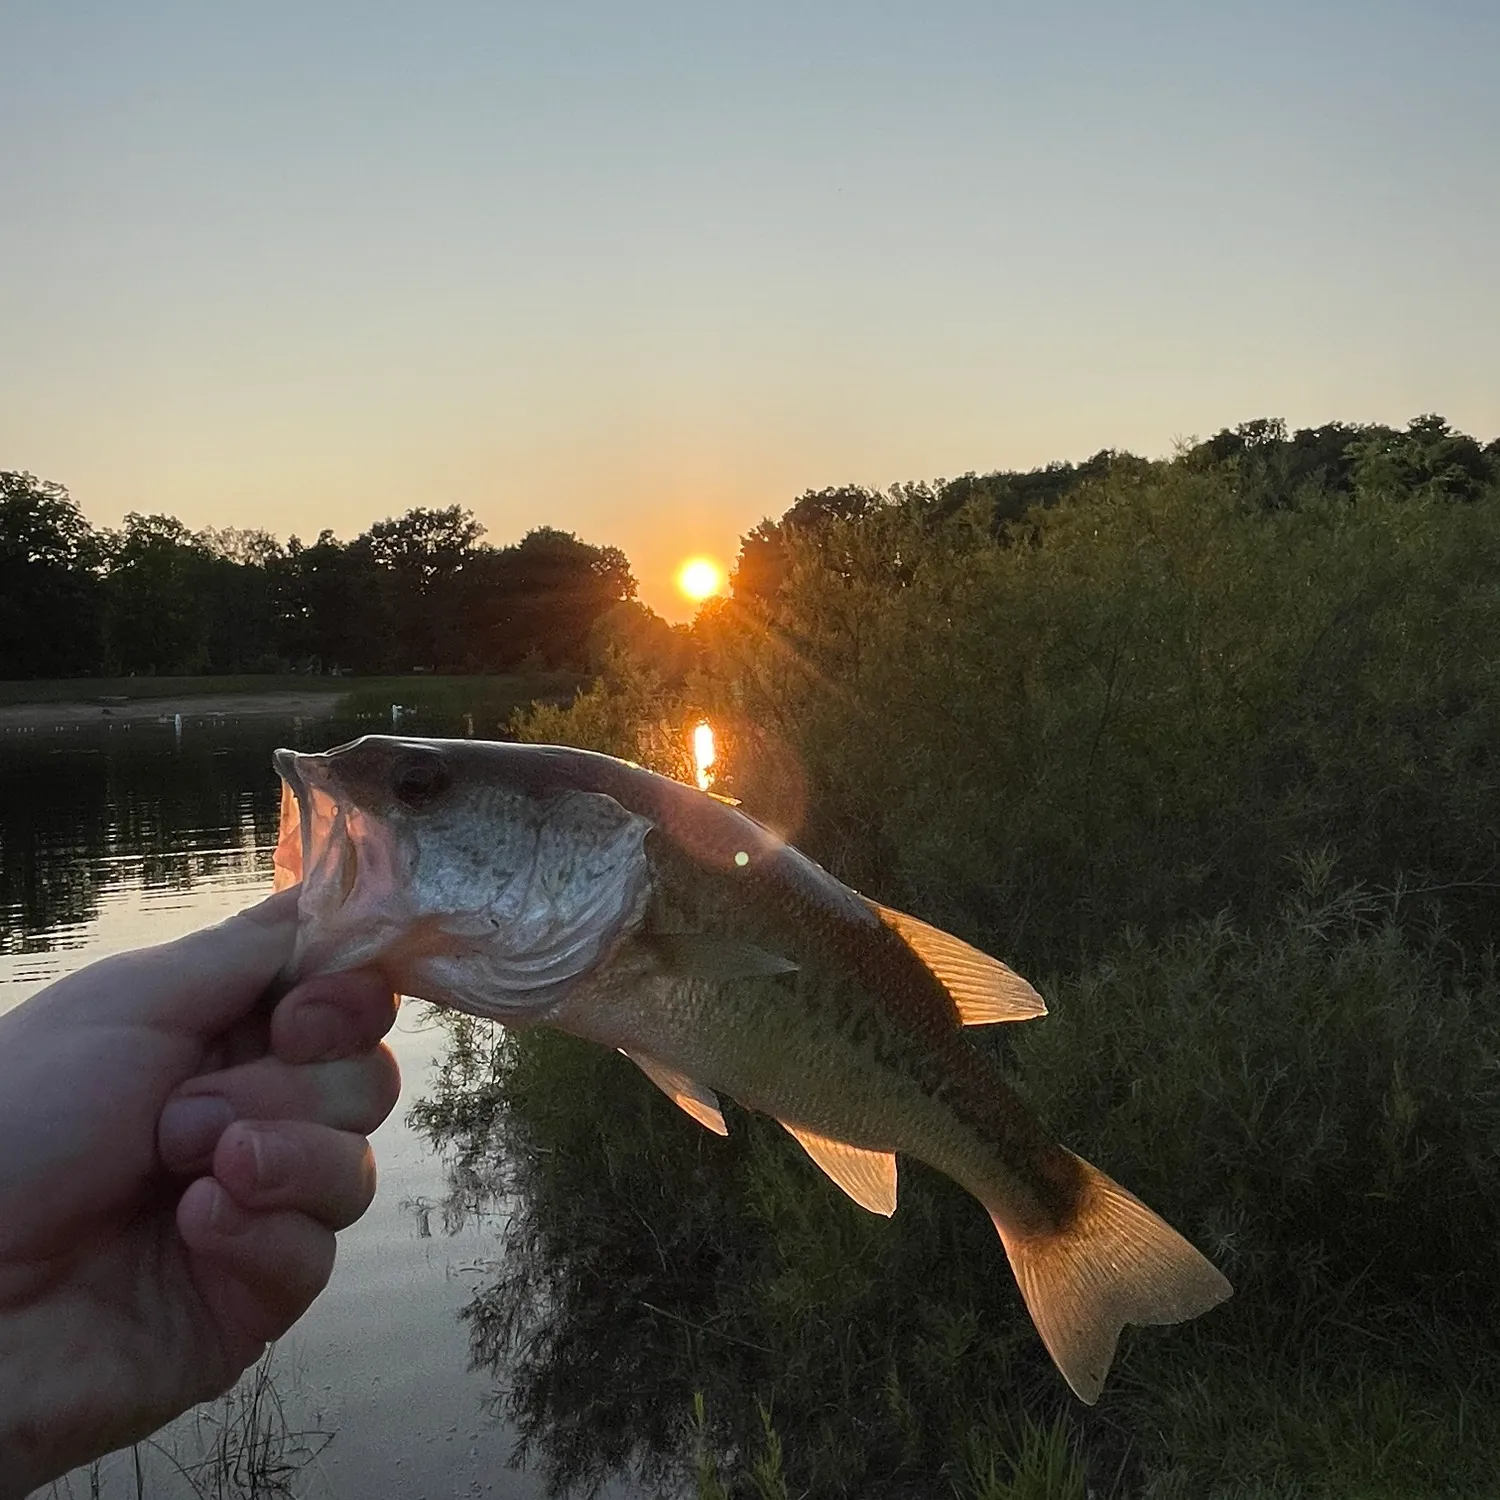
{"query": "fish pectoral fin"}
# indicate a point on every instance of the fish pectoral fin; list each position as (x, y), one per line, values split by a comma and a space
(983, 989)
(692, 1098)
(696, 955)
(869, 1177)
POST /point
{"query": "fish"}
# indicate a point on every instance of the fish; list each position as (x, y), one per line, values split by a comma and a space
(545, 885)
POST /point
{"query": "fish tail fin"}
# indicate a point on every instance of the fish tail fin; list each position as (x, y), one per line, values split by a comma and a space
(1114, 1262)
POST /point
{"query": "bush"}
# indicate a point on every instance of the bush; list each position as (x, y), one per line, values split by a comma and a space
(1221, 775)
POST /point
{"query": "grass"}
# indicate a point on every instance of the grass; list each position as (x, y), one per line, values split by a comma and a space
(87, 689)
(240, 1447)
(491, 700)
(433, 702)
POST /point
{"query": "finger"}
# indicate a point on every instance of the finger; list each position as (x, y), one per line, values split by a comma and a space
(354, 1094)
(329, 1175)
(198, 985)
(333, 1016)
(257, 1272)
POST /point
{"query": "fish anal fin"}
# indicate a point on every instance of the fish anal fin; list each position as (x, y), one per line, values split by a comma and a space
(869, 1177)
(1116, 1262)
(692, 1098)
(983, 989)
(692, 955)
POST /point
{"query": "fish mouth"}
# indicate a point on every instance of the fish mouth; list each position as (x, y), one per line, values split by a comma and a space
(343, 860)
(314, 846)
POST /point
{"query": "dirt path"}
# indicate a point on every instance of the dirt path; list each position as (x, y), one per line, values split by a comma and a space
(308, 705)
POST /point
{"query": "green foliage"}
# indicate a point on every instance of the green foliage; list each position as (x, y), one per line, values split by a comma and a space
(1319, 1105)
(1141, 705)
(1319, 1108)
(1037, 1463)
(1207, 748)
(626, 711)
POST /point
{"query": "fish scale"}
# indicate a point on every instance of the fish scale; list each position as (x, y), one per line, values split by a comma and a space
(904, 1037)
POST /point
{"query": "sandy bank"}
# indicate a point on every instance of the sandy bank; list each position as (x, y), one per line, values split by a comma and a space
(307, 705)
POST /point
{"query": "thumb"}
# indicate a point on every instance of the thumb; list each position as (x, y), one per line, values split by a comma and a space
(200, 984)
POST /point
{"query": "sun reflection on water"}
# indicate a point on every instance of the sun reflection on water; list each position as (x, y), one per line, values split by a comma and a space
(704, 754)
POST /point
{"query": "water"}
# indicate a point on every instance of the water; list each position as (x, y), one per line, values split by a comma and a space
(111, 839)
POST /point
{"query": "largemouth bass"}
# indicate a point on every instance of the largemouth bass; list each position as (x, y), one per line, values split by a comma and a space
(535, 884)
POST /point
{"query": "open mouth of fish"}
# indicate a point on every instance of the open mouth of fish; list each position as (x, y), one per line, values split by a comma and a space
(343, 859)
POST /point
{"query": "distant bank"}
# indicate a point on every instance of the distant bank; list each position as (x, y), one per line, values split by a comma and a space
(309, 705)
(65, 702)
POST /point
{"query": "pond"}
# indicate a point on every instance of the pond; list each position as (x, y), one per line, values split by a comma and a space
(115, 838)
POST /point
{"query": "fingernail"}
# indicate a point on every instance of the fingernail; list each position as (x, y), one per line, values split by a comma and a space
(225, 1216)
(191, 1126)
(273, 1157)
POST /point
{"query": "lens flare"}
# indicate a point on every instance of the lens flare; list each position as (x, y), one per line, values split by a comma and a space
(704, 755)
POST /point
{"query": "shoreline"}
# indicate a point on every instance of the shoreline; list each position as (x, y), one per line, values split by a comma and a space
(309, 704)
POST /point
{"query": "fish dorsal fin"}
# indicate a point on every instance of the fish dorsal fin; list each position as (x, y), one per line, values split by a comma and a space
(692, 1098)
(693, 955)
(983, 989)
(869, 1177)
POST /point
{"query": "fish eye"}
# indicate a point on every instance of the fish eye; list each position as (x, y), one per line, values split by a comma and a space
(419, 779)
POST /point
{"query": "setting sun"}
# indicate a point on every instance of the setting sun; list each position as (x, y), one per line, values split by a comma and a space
(700, 578)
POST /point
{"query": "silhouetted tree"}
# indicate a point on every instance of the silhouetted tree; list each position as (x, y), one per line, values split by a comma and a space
(545, 595)
(333, 605)
(761, 566)
(243, 630)
(425, 553)
(157, 597)
(49, 581)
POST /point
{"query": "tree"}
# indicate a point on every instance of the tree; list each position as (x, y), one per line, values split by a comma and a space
(1011, 494)
(252, 547)
(631, 628)
(761, 567)
(49, 581)
(542, 597)
(158, 597)
(424, 554)
(1429, 458)
(332, 603)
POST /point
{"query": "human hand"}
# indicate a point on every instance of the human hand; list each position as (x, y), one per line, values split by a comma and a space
(172, 1171)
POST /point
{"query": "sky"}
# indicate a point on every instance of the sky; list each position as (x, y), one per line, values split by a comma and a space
(647, 272)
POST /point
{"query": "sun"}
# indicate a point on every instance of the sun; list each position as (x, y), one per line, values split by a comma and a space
(700, 578)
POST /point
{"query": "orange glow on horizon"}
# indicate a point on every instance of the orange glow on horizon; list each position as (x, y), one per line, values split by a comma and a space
(700, 578)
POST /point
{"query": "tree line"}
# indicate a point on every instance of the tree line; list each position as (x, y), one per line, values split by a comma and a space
(418, 591)
(1272, 469)
(425, 591)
